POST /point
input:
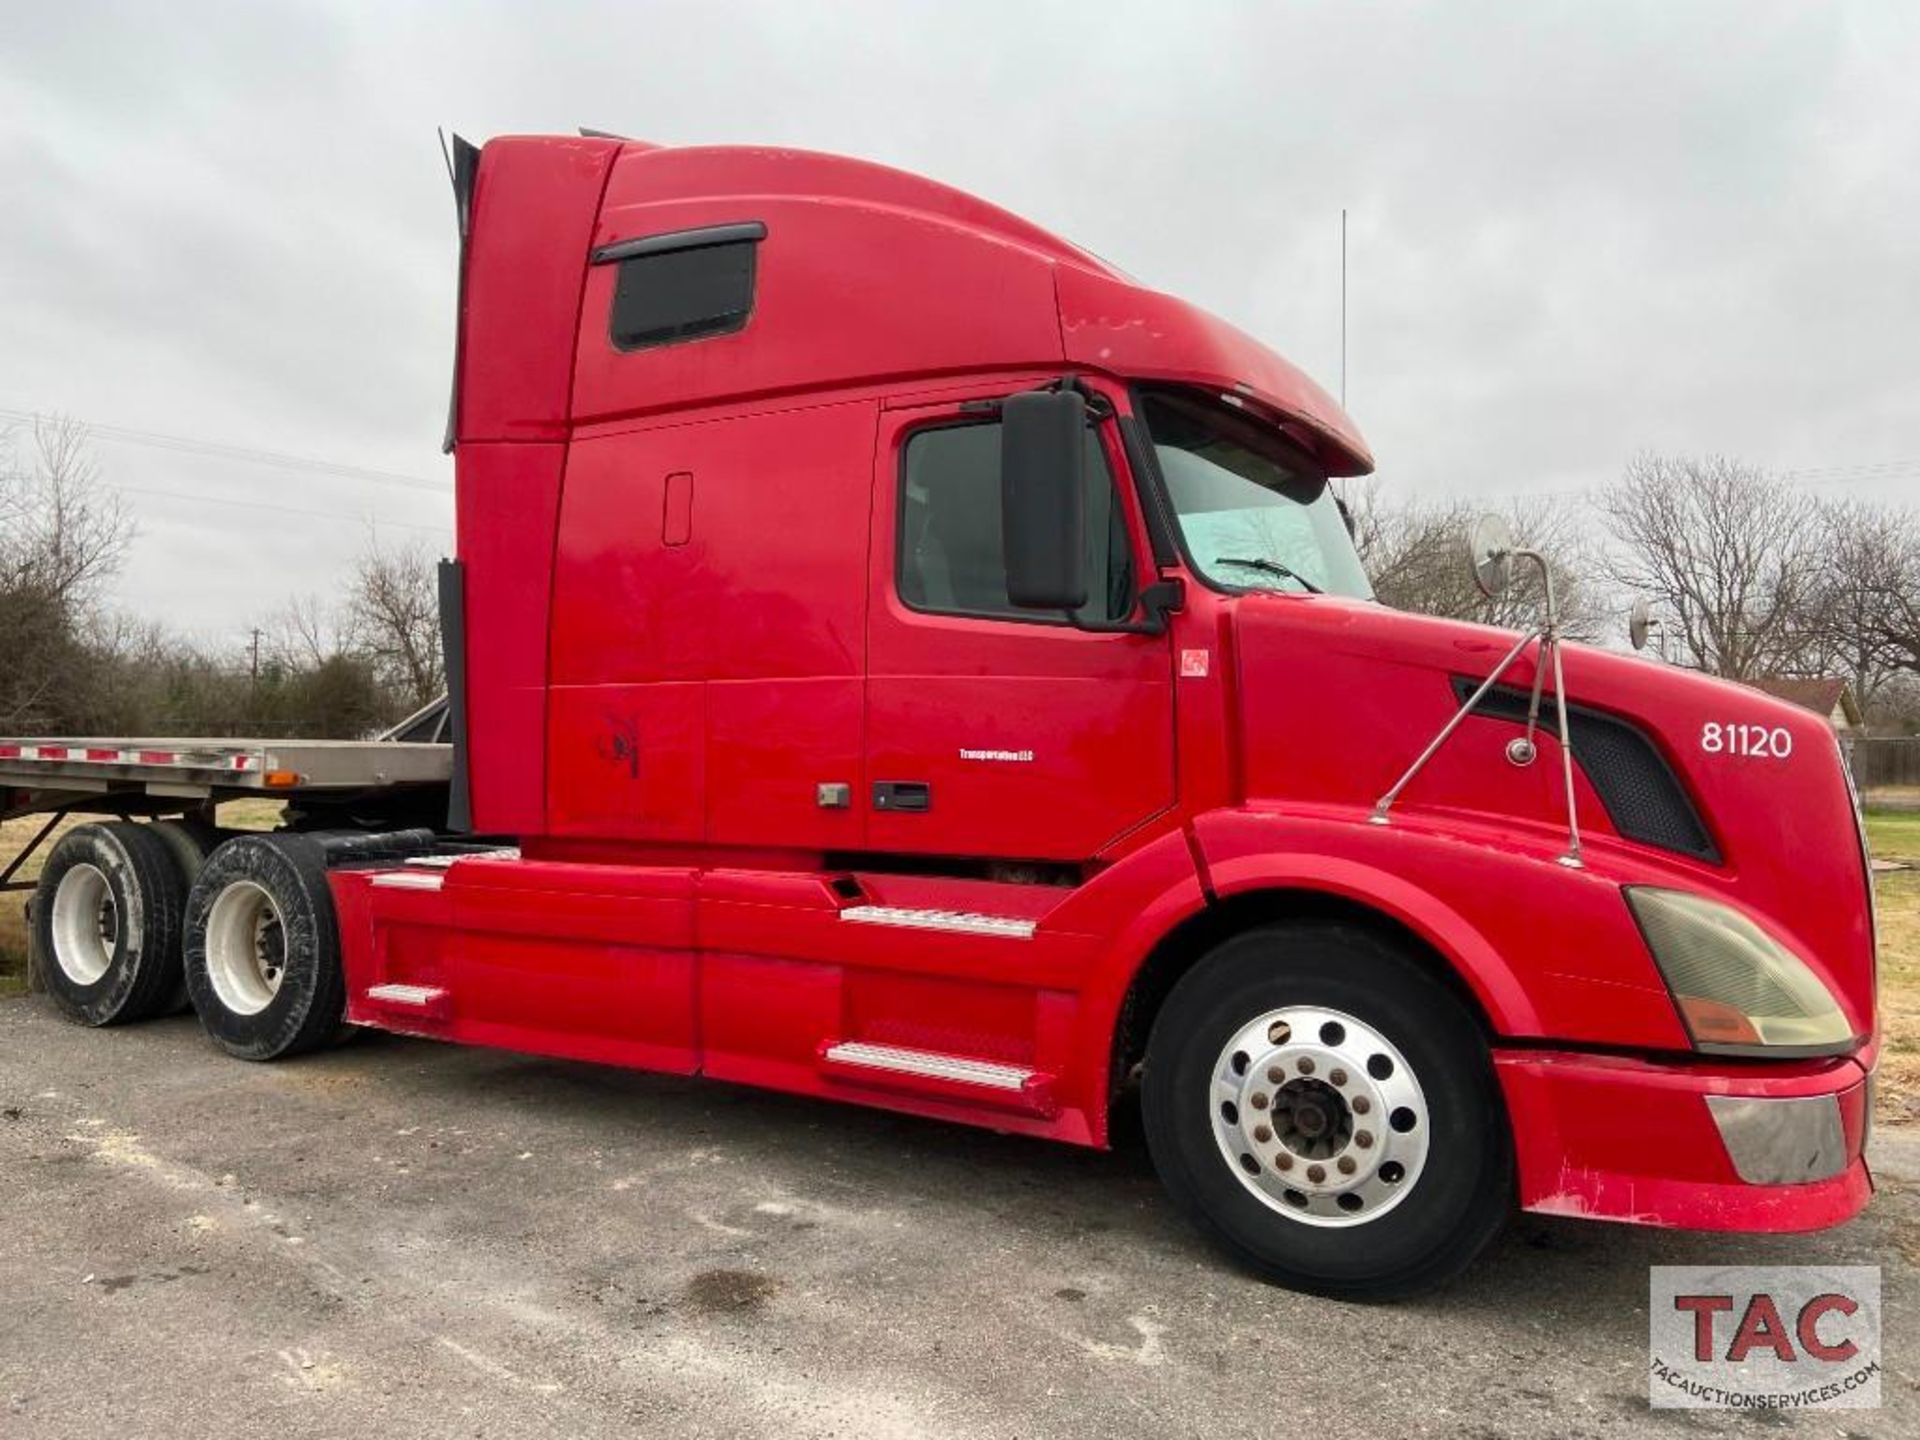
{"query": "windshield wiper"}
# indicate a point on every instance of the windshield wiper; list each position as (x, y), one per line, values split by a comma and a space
(1272, 567)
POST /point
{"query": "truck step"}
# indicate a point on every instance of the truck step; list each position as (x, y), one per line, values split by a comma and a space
(427, 1000)
(928, 1072)
(959, 922)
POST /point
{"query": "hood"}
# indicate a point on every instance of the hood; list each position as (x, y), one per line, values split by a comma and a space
(1680, 779)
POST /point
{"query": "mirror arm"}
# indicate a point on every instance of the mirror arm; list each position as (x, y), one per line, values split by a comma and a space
(1155, 602)
(1098, 406)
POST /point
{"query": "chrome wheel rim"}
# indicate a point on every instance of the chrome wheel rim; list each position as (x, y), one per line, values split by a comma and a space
(246, 948)
(86, 924)
(1319, 1116)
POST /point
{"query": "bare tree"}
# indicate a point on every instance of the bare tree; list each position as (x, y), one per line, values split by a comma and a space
(1887, 562)
(62, 536)
(1725, 550)
(1416, 555)
(1859, 613)
(395, 614)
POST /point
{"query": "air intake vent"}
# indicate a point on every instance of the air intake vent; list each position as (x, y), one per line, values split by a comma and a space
(1643, 797)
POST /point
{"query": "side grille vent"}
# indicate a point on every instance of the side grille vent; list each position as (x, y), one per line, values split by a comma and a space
(1643, 797)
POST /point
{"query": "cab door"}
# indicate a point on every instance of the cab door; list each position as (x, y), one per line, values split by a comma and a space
(992, 731)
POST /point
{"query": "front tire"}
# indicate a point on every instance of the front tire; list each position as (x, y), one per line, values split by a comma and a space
(263, 948)
(1326, 1111)
(106, 923)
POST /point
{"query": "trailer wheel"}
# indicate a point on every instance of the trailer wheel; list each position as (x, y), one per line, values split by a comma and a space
(1326, 1111)
(189, 842)
(106, 923)
(263, 948)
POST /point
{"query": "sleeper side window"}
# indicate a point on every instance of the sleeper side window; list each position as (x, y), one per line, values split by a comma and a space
(949, 559)
(668, 295)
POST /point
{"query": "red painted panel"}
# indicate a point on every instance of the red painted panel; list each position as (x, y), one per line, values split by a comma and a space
(629, 761)
(1612, 1138)
(1111, 324)
(846, 292)
(508, 505)
(770, 745)
(703, 690)
(534, 209)
(1338, 697)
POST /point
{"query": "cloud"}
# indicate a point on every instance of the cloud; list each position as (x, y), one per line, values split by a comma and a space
(1575, 231)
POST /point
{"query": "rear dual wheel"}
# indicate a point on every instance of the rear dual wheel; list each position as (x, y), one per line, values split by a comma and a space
(263, 949)
(1326, 1111)
(106, 923)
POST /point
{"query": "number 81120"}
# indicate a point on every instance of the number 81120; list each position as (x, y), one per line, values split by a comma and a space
(1774, 743)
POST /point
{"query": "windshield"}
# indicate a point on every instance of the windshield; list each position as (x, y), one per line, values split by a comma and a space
(1254, 511)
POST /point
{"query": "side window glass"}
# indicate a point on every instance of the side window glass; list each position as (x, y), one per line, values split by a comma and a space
(664, 296)
(949, 557)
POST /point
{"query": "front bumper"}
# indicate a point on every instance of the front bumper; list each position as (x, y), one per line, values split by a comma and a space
(1704, 1147)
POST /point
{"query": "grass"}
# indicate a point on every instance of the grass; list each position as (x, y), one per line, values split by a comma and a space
(1893, 834)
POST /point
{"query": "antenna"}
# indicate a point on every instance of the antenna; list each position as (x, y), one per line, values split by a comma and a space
(1343, 307)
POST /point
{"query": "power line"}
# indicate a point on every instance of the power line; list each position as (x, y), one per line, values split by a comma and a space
(277, 459)
(280, 509)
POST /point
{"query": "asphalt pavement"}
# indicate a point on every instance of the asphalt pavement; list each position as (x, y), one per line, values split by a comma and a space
(407, 1239)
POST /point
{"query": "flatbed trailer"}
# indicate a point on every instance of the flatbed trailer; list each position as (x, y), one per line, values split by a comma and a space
(895, 657)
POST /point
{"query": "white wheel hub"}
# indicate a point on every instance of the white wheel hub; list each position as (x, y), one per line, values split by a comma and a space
(1319, 1115)
(86, 924)
(246, 948)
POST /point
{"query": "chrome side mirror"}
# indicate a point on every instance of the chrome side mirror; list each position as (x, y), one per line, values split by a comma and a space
(1640, 623)
(1490, 552)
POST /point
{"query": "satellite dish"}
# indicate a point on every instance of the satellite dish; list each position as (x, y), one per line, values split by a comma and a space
(1490, 550)
(1639, 621)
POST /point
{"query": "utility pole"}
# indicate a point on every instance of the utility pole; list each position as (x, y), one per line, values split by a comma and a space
(1343, 307)
(253, 669)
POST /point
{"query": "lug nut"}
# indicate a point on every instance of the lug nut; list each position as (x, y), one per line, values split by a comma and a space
(1283, 1161)
(1262, 1134)
(1338, 1077)
(1345, 1162)
(1361, 1105)
(1316, 1173)
(1258, 1099)
(1276, 1075)
(1306, 1064)
(1364, 1139)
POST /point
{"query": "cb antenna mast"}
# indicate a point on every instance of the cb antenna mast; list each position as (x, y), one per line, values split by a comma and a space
(1343, 307)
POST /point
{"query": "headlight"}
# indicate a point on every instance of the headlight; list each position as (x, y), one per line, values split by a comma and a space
(1736, 986)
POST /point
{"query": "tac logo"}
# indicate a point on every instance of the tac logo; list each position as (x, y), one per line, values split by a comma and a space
(1764, 1337)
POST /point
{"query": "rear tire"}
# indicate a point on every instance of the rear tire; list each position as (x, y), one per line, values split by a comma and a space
(1325, 1110)
(106, 923)
(189, 842)
(263, 948)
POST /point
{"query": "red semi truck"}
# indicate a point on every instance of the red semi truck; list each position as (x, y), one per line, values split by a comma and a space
(896, 657)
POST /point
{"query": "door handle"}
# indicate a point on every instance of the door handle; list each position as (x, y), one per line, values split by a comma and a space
(902, 795)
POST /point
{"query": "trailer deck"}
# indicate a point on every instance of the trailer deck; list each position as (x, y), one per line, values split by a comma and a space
(44, 774)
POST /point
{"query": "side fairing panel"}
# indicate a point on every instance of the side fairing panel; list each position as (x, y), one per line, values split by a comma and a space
(707, 654)
(509, 499)
(533, 213)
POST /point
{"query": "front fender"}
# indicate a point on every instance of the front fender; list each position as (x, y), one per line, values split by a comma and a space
(1549, 952)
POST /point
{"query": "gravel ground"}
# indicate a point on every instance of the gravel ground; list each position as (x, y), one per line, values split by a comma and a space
(402, 1238)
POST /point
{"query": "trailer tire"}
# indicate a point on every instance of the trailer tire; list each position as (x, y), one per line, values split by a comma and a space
(263, 948)
(1325, 1110)
(106, 923)
(189, 842)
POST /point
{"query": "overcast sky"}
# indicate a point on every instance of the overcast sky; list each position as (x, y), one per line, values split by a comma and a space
(1576, 231)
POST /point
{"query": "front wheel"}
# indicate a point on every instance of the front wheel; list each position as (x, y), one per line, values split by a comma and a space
(1326, 1111)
